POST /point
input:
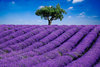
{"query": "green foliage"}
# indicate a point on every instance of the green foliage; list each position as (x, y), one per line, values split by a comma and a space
(51, 13)
(24, 56)
(7, 51)
(60, 53)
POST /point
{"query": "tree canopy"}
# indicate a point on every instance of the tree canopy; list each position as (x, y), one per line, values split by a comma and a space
(51, 13)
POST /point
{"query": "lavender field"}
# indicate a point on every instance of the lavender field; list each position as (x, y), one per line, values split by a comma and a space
(50, 46)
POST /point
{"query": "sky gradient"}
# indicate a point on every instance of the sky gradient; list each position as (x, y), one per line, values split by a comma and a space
(22, 12)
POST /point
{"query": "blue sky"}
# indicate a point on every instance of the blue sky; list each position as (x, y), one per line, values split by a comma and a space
(79, 12)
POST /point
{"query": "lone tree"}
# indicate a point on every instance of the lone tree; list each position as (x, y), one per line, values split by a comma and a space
(51, 13)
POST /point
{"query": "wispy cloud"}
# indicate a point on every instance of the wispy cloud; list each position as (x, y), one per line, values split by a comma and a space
(41, 6)
(76, 1)
(69, 16)
(81, 14)
(70, 8)
(50, 6)
(44, 6)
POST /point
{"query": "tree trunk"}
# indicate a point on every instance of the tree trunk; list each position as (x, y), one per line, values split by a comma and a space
(49, 22)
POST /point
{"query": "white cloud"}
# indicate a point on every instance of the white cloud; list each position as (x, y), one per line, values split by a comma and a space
(41, 6)
(69, 16)
(81, 14)
(68, 0)
(50, 6)
(70, 8)
(76, 1)
(44, 6)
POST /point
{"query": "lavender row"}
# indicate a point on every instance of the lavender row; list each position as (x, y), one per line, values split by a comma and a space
(45, 32)
(25, 36)
(61, 64)
(5, 27)
(35, 44)
(31, 53)
(41, 58)
(54, 41)
(59, 51)
(53, 44)
(31, 40)
(89, 58)
(15, 35)
(85, 43)
(12, 27)
(41, 30)
(39, 44)
(8, 32)
(29, 32)
(45, 40)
